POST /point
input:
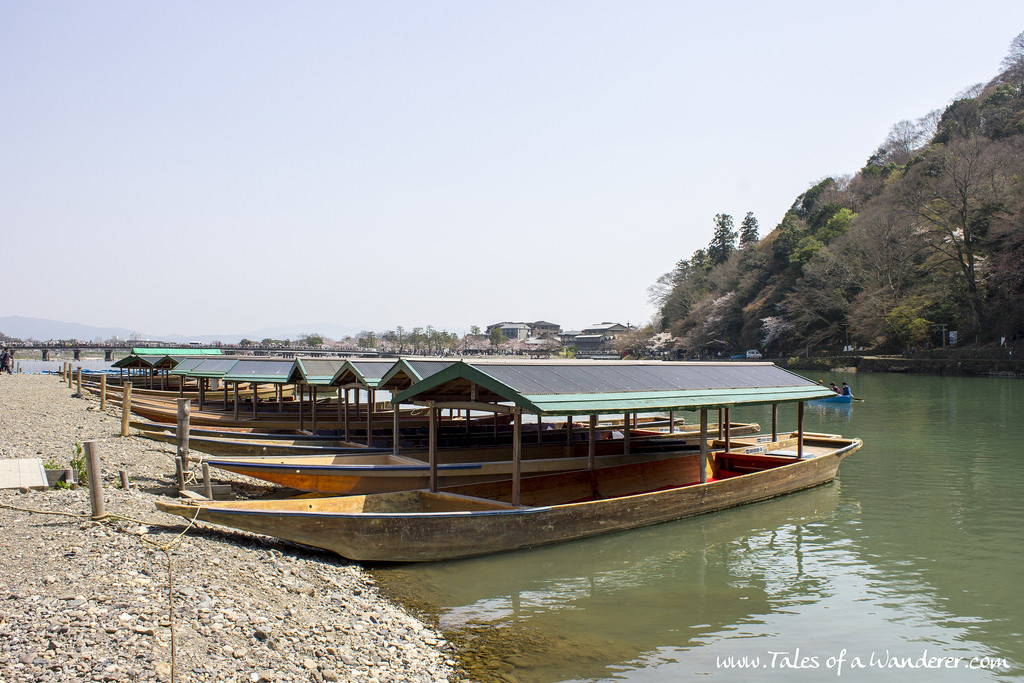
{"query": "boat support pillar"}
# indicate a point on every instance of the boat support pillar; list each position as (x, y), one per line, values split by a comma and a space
(703, 445)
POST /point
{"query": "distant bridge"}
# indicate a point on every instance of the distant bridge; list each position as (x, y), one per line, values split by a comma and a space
(61, 347)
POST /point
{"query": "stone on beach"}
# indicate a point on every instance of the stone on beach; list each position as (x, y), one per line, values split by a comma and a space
(81, 600)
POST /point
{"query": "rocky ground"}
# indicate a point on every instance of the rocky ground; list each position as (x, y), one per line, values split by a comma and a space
(139, 597)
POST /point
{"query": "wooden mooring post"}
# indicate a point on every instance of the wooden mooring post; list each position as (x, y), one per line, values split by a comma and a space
(67, 373)
(126, 407)
(92, 469)
(103, 392)
(184, 419)
(78, 380)
(207, 482)
(179, 476)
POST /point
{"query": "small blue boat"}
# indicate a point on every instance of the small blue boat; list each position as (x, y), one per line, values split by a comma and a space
(838, 398)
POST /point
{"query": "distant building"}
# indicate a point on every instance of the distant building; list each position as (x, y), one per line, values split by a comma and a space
(511, 330)
(587, 344)
(594, 340)
(542, 327)
(568, 336)
(522, 331)
(610, 330)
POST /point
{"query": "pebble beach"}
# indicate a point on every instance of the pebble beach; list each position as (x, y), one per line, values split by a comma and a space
(141, 596)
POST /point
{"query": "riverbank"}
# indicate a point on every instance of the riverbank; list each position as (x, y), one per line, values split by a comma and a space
(137, 596)
(953, 363)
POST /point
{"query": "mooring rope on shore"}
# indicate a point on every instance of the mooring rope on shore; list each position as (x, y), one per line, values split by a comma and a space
(165, 548)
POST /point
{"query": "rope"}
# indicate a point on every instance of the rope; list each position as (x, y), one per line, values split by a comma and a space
(45, 512)
(165, 548)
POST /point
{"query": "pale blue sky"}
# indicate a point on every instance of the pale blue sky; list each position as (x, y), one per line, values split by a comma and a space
(241, 165)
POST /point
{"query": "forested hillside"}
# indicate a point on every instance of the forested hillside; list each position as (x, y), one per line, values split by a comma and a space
(926, 239)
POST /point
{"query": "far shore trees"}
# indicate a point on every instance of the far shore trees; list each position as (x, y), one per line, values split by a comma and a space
(927, 236)
(315, 340)
(498, 337)
(955, 193)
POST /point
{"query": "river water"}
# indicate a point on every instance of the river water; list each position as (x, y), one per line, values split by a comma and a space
(907, 566)
(52, 366)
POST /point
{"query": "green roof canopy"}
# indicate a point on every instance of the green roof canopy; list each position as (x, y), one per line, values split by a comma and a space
(362, 373)
(601, 387)
(206, 367)
(266, 370)
(137, 361)
(148, 361)
(186, 365)
(408, 371)
(315, 370)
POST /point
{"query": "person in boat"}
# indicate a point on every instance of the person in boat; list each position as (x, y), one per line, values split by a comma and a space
(833, 387)
(846, 390)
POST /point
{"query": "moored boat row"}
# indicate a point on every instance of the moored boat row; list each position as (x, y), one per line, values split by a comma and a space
(478, 505)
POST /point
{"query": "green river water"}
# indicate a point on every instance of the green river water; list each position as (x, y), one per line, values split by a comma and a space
(908, 568)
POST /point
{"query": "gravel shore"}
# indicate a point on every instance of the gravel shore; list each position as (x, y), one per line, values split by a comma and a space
(102, 601)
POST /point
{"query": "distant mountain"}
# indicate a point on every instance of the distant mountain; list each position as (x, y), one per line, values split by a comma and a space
(43, 330)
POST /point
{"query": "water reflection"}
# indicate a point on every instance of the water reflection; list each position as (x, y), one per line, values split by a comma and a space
(915, 552)
(827, 413)
(672, 585)
(31, 366)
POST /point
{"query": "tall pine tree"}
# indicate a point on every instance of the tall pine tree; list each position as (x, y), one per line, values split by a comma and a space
(724, 241)
(748, 230)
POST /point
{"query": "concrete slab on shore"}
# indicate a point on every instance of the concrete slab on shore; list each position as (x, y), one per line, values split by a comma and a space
(22, 473)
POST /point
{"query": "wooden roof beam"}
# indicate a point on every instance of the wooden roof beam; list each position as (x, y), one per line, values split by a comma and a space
(469, 405)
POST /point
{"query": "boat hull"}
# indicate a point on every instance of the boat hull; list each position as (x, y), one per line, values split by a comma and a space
(350, 473)
(834, 399)
(252, 443)
(359, 474)
(416, 526)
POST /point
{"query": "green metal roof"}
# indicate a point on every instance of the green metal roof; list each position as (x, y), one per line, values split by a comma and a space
(206, 367)
(265, 370)
(363, 373)
(161, 360)
(186, 351)
(316, 370)
(601, 387)
(408, 371)
(187, 365)
(135, 361)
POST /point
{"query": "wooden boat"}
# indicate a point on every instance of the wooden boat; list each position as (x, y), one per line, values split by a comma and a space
(478, 519)
(250, 443)
(244, 442)
(229, 432)
(361, 473)
(269, 418)
(385, 472)
(114, 391)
